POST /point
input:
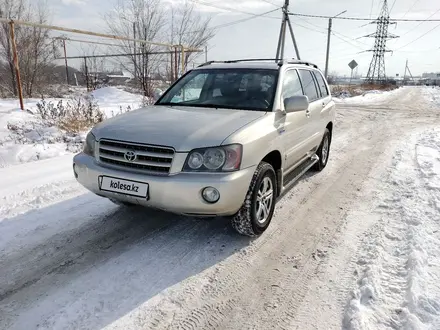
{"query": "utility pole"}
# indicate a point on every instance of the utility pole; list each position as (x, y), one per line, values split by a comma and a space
(176, 73)
(134, 48)
(206, 54)
(65, 62)
(87, 73)
(171, 66)
(330, 23)
(16, 65)
(282, 38)
(406, 67)
(409, 71)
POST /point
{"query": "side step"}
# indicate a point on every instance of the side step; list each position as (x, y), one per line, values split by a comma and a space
(298, 172)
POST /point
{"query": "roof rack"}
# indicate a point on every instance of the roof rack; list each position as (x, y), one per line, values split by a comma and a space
(277, 60)
(302, 62)
(241, 60)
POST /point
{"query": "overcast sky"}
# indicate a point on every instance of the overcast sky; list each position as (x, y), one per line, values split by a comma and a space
(258, 37)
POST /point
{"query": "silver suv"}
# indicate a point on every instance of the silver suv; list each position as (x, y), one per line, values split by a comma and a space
(226, 139)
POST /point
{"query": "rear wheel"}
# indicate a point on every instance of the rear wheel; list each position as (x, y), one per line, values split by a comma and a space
(323, 151)
(257, 210)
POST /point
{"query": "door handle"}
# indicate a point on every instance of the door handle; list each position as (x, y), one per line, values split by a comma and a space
(308, 113)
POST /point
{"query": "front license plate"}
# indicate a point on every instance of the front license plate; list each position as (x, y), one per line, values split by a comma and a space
(126, 187)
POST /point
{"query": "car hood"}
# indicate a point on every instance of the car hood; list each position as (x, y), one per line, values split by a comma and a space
(183, 128)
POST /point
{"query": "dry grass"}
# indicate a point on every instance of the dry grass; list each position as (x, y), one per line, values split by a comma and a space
(356, 90)
(77, 114)
(379, 87)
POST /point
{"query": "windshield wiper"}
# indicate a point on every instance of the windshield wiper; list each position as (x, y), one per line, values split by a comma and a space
(211, 105)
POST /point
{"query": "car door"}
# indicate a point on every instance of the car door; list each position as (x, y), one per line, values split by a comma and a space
(315, 106)
(295, 123)
(320, 117)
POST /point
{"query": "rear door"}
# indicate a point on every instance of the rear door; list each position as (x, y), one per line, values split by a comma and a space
(311, 90)
(321, 115)
(295, 123)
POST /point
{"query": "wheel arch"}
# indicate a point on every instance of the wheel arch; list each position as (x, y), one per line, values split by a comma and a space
(330, 128)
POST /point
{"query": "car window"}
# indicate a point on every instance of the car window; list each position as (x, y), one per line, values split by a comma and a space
(291, 84)
(228, 88)
(321, 84)
(192, 90)
(308, 85)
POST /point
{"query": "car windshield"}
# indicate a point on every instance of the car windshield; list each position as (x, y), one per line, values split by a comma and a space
(244, 89)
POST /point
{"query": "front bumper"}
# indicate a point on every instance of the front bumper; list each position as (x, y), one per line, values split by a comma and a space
(178, 193)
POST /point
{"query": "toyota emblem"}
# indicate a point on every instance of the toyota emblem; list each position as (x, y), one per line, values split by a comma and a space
(130, 156)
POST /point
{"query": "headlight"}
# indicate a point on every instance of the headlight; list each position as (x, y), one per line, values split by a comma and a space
(89, 145)
(219, 159)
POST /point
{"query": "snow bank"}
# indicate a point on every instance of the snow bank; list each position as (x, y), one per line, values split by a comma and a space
(399, 264)
(372, 96)
(112, 100)
(24, 137)
(432, 96)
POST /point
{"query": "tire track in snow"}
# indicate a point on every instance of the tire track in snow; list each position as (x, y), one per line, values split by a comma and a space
(249, 274)
(394, 256)
(229, 282)
(316, 249)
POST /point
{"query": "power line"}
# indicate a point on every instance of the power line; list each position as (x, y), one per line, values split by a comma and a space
(352, 39)
(364, 18)
(394, 3)
(347, 42)
(435, 27)
(412, 6)
(271, 3)
(231, 9)
(240, 20)
(309, 28)
(316, 26)
(371, 9)
(223, 25)
(426, 20)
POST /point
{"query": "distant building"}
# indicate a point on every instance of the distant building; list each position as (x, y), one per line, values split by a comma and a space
(431, 79)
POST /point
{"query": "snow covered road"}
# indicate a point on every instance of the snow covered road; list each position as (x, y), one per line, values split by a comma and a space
(353, 247)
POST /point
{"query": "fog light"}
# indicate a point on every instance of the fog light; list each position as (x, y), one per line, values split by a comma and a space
(211, 195)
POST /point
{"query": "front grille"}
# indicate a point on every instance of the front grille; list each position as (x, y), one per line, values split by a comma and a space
(152, 159)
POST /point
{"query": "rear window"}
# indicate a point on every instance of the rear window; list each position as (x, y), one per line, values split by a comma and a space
(321, 84)
(308, 85)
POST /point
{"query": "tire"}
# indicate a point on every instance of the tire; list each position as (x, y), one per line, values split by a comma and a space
(253, 218)
(322, 153)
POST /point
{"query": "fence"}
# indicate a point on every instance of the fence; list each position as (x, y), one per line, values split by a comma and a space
(175, 51)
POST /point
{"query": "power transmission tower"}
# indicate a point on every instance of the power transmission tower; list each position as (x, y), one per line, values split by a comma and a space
(282, 38)
(376, 72)
(407, 70)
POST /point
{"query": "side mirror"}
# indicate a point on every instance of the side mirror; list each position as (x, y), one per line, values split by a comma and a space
(296, 103)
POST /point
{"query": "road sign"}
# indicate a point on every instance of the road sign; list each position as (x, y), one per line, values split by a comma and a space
(353, 64)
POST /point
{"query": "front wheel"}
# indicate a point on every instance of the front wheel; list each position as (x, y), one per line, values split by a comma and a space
(256, 213)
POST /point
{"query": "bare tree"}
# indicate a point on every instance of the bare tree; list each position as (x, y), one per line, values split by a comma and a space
(34, 45)
(93, 68)
(140, 19)
(147, 20)
(189, 28)
(13, 9)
